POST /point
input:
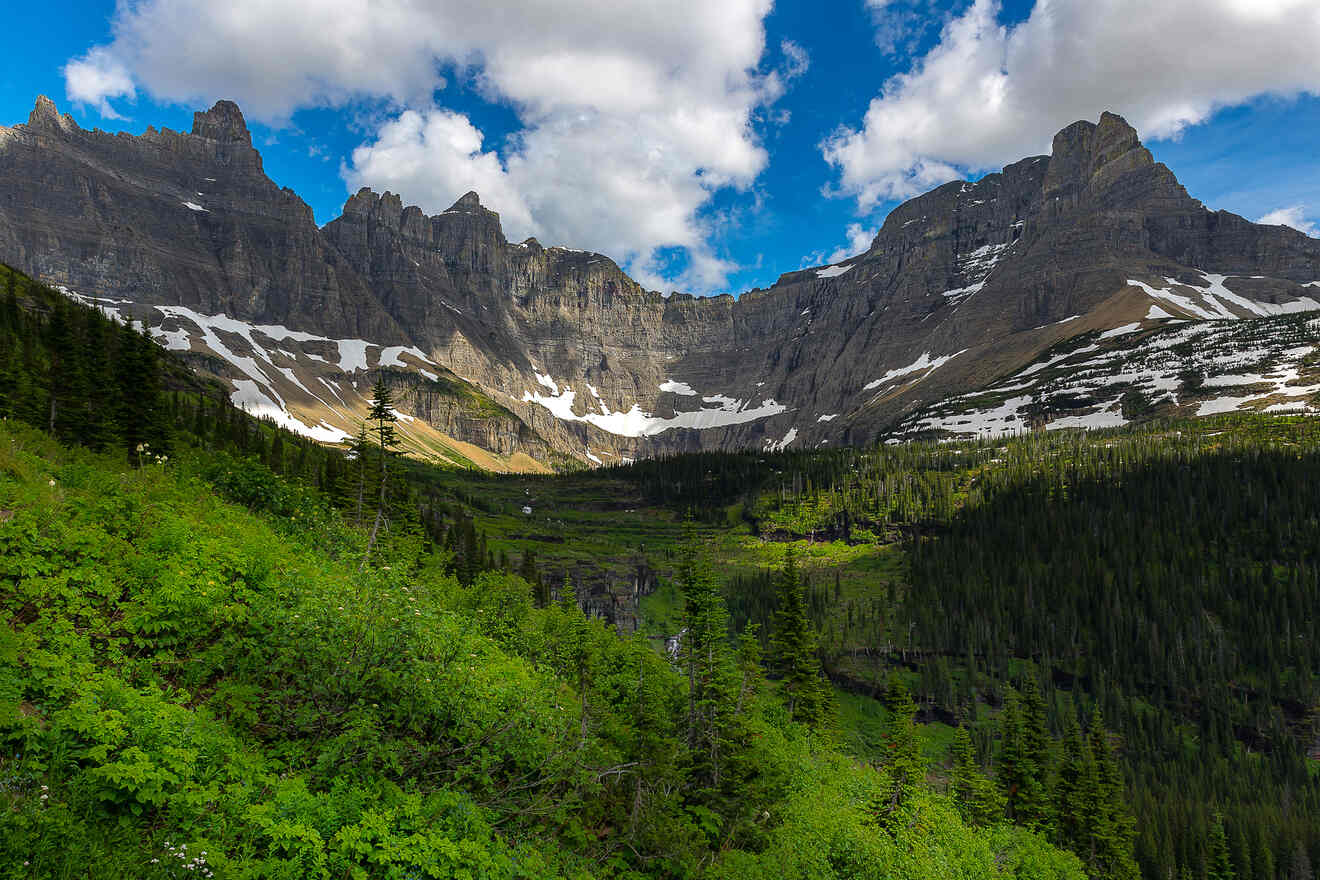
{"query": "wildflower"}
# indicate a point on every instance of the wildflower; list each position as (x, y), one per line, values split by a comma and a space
(52, 484)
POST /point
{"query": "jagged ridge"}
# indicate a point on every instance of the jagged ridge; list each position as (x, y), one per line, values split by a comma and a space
(962, 286)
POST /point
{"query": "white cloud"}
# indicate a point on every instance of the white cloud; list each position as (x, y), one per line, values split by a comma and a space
(1294, 216)
(633, 112)
(859, 241)
(986, 95)
(97, 77)
(432, 157)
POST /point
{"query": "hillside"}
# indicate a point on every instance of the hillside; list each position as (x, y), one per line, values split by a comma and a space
(1166, 573)
(1140, 371)
(1149, 592)
(201, 674)
(554, 355)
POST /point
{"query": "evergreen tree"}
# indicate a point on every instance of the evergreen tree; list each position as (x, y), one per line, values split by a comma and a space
(1219, 865)
(98, 424)
(527, 571)
(1024, 767)
(977, 797)
(793, 650)
(380, 422)
(1114, 830)
(706, 654)
(1262, 856)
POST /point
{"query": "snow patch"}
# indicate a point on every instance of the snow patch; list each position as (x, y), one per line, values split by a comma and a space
(389, 357)
(924, 364)
(173, 340)
(672, 387)
(193, 206)
(247, 396)
(995, 422)
(781, 445)
(1106, 417)
(1121, 331)
(352, 354)
(832, 271)
(637, 423)
(958, 294)
(828, 418)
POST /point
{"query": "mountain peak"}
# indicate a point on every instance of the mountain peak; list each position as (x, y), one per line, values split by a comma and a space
(223, 122)
(45, 115)
(469, 202)
(1089, 156)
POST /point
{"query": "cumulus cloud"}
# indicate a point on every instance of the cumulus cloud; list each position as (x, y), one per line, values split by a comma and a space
(1294, 216)
(633, 113)
(97, 77)
(433, 156)
(987, 94)
(859, 240)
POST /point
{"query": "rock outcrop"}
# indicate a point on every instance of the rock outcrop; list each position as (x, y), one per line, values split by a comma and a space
(962, 286)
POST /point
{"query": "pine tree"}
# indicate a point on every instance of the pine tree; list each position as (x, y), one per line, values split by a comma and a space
(793, 650)
(1219, 865)
(1024, 762)
(65, 378)
(1077, 796)
(977, 797)
(527, 571)
(1114, 828)
(1262, 855)
(380, 422)
(706, 654)
(1033, 802)
(98, 425)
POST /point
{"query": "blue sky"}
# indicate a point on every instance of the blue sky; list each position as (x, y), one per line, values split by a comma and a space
(706, 147)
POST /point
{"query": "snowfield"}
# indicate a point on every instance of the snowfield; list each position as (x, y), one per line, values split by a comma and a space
(1181, 368)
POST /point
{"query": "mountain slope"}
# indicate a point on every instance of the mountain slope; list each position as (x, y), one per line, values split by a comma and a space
(962, 286)
(1136, 371)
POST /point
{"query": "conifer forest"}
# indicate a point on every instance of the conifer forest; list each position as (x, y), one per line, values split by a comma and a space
(229, 651)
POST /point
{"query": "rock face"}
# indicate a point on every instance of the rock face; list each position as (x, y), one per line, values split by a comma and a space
(962, 286)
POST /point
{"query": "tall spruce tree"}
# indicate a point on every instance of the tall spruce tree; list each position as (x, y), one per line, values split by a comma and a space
(793, 650)
(380, 427)
(1114, 828)
(1024, 767)
(1219, 864)
(978, 799)
(706, 654)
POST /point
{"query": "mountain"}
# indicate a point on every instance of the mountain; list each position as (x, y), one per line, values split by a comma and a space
(521, 356)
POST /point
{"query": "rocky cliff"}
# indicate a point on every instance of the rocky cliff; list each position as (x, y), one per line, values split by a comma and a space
(567, 354)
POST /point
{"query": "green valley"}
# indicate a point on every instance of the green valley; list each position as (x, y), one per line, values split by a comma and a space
(228, 651)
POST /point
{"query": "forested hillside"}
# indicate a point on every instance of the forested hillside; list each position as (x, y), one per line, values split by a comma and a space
(1166, 576)
(208, 668)
(1062, 655)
